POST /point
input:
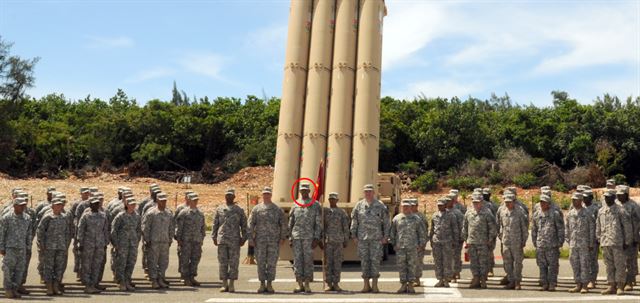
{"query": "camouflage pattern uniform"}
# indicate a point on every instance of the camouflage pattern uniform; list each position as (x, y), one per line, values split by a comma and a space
(267, 226)
(547, 235)
(370, 225)
(305, 226)
(580, 233)
(77, 260)
(613, 231)
(126, 231)
(336, 227)
(407, 234)
(157, 231)
(513, 232)
(190, 233)
(420, 260)
(593, 254)
(53, 235)
(15, 239)
(230, 231)
(443, 234)
(456, 260)
(633, 210)
(93, 236)
(478, 229)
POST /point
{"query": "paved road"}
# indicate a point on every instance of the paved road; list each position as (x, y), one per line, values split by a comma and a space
(247, 285)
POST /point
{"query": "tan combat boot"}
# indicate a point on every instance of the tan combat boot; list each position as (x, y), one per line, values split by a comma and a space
(231, 287)
(22, 291)
(440, 283)
(584, 289)
(130, 287)
(410, 289)
(270, 287)
(122, 286)
(504, 281)
(366, 287)
(475, 282)
(483, 282)
(155, 284)
(620, 290)
(307, 288)
(300, 288)
(50, 291)
(262, 288)
(194, 282)
(9, 294)
(576, 289)
(629, 287)
(374, 286)
(591, 285)
(610, 290)
(224, 287)
(328, 287)
(336, 287)
(446, 284)
(518, 287)
(544, 287)
(403, 288)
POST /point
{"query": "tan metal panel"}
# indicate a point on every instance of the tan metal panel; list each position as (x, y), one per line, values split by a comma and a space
(292, 103)
(366, 125)
(314, 141)
(342, 95)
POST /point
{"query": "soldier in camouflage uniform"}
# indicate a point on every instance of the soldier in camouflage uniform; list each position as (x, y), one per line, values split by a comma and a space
(593, 207)
(143, 209)
(15, 239)
(77, 259)
(53, 234)
(633, 210)
(125, 195)
(305, 233)
(580, 233)
(179, 208)
(154, 189)
(513, 233)
(229, 234)
(190, 233)
(407, 235)
(158, 231)
(486, 203)
(420, 260)
(50, 193)
(126, 231)
(93, 236)
(32, 215)
(267, 229)
(370, 229)
(614, 233)
(456, 258)
(336, 238)
(478, 230)
(547, 235)
(444, 235)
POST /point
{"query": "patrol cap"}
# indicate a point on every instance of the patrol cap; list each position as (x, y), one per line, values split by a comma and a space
(94, 200)
(610, 193)
(441, 201)
(193, 197)
(509, 195)
(126, 190)
(230, 191)
(93, 189)
(580, 187)
(333, 195)
(84, 190)
(406, 202)
(577, 196)
(415, 202)
(588, 193)
(512, 190)
(132, 201)
(305, 186)
(17, 189)
(98, 195)
(127, 194)
(156, 190)
(60, 195)
(586, 187)
(622, 190)
(446, 199)
(508, 199)
(546, 187)
(451, 196)
(611, 182)
(476, 199)
(161, 196)
(50, 189)
(187, 193)
(57, 201)
(477, 190)
(454, 191)
(153, 185)
(486, 190)
(369, 187)
(20, 201)
(546, 192)
(22, 195)
(267, 190)
(545, 198)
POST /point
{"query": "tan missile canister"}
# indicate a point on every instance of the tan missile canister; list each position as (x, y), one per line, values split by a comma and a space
(342, 94)
(366, 119)
(316, 112)
(292, 104)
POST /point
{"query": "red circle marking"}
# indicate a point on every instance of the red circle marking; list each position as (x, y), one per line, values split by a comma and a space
(315, 192)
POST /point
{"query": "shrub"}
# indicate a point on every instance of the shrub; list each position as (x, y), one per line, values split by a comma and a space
(529, 253)
(477, 168)
(526, 180)
(495, 177)
(564, 203)
(559, 186)
(410, 167)
(465, 182)
(425, 182)
(514, 162)
(620, 179)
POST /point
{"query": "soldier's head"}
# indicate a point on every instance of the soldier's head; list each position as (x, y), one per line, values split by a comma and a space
(622, 193)
(545, 201)
(230, 195)
(100, 197)
(477, 203)
(304, 190)
(587, 198)
(19, 204)
(611, 184)
(151, 189)
(453, 194)
(162, 200)
(610, 197)
(406, 206)
(50, 191)
(154, 194)
(369, 192)
(414, 205)
(193, 200)
(576, 200)
(486, 194)
(57, 205)
(447, 201)
(508, 201)
(186, 196)
(442, 205)
(84, 193)
(94, 204)
(16, 191)
(131, 204)
(333, 199)
(266, 194)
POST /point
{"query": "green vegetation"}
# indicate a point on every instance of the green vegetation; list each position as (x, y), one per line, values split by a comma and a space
(426, 182)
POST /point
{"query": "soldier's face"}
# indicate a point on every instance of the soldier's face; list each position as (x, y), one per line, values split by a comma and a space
(509, 205)
(85, 196)
(406, 209)
(368, 194)
(609, 200)
(229, 198)
(162, 204)
(266, 197)
(18, 209)
(193, 203)
(442, 208)
(544, 205)
(131, 208)
(576, 203)
(622, 198)
(414, 208)
(57, 208)
(477, 206)
(333, 202)
(304, 193)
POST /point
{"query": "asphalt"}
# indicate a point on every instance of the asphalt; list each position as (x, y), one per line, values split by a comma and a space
(247, 285)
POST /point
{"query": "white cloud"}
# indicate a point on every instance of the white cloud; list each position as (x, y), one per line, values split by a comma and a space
(110, 42)
(271, 39)
(204, 63)
(149, 74)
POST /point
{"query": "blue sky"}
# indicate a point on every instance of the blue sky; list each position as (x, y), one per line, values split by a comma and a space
(236, 47)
